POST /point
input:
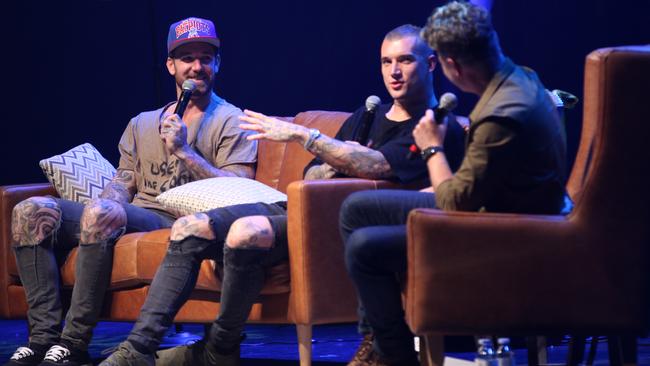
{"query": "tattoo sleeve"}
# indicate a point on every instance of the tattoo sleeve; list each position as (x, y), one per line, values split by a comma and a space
(351, 159)
(122, 188)
(201, 169)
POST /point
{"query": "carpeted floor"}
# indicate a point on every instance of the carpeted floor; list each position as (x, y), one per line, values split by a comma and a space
(276, 345)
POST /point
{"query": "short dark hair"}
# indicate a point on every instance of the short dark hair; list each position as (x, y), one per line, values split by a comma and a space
(410, 30)
(462, 31)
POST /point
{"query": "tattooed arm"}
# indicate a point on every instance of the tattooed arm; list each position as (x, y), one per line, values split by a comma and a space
(348, 158)
(122, 188)
(201, 169)
(174, 135)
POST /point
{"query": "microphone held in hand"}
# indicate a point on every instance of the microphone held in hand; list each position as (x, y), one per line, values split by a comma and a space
(188, 87)
(448, 103)
(363, 130)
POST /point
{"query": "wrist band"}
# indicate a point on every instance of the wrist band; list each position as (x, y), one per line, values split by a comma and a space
(430, 151)
(313, 135)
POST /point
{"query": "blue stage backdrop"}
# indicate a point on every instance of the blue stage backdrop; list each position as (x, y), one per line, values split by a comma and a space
(77, 71)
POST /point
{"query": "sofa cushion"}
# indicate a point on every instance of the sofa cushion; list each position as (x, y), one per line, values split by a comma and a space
(79, 174)
(206, 194)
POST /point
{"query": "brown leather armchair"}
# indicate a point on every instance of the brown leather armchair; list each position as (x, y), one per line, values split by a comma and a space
(585, 273)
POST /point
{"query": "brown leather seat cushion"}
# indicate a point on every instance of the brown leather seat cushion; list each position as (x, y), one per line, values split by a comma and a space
(137, 256)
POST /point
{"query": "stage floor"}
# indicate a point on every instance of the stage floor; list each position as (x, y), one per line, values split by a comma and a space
(277, 344)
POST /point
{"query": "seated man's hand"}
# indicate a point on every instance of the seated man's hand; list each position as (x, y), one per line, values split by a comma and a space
(273, 129)
(173, 132)
(323, 171)
(429, 133)
(428, 189)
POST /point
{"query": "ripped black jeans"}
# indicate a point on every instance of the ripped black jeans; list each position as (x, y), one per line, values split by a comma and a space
(243, 278)
(38, 266)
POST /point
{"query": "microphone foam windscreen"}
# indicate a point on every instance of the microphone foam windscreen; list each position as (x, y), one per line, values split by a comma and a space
(189, 85)
(448, 101)
(372, 102)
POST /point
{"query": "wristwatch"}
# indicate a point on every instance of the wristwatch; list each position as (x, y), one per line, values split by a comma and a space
(430, 151)
(313, 135)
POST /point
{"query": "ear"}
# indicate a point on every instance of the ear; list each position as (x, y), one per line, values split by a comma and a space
(217, 63)
(432, 61)
(452, 66)
(170, 66)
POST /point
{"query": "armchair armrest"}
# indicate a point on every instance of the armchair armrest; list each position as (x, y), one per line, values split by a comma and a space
(9, 197)
(321, 291)
(486, 273)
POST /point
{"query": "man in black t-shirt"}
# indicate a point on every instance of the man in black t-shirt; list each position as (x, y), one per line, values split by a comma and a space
(257, 233)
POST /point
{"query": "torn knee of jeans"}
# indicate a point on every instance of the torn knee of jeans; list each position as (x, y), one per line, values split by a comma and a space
(198, 225)
(253, 232)
(191, 245)
(35, 219)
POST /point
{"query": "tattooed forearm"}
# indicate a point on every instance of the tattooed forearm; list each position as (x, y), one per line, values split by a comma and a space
(101, 220)
(34, 219)
(350, 159)
(122, 188)
(201, 169)
(241, 170)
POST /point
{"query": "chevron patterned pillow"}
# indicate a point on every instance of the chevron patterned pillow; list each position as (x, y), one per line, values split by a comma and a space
(79, 174)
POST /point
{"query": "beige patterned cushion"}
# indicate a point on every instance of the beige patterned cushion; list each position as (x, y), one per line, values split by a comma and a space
(206, 194)
(79, 174)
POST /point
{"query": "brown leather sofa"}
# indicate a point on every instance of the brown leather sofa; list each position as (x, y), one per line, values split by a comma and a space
(584, 274)
(311, 288)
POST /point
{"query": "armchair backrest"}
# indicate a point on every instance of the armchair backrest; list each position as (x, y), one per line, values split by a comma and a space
(607, 180)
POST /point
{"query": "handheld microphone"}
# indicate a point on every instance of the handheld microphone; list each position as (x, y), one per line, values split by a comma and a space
(448, 103)
(188, 87)
(363, 130)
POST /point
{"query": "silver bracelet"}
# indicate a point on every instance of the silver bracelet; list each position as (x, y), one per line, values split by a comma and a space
(313, 135)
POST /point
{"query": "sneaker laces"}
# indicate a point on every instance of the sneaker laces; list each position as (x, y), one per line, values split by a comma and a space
(56, 353)
(365, 348)
(22, 352)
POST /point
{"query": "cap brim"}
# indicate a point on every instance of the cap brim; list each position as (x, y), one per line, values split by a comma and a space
(209, 40)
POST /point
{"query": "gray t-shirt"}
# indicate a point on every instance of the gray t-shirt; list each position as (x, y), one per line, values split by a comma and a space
(217, 138)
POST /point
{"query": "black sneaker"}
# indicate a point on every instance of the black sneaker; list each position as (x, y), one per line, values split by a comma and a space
(26, 356)
(61, 355)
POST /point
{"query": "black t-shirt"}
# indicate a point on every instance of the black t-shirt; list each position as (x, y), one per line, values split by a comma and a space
(393, 140)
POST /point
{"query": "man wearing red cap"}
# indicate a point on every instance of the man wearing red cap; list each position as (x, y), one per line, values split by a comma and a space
(158, 151)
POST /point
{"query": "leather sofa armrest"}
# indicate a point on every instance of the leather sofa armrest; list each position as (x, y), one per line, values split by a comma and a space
(487, 273)
(320, 288)
(9, 197)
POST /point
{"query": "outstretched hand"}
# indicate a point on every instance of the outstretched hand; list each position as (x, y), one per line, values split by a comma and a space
(270, 128)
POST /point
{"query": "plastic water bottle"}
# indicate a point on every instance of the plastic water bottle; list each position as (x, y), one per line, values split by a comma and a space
(485, 355)
(505, 356)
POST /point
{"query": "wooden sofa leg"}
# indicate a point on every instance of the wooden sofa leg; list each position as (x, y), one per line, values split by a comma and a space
(304, 343)
(432, 352)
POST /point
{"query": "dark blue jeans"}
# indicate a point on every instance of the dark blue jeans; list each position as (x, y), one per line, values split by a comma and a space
(38, 265)
(374, 232)
(243, 278)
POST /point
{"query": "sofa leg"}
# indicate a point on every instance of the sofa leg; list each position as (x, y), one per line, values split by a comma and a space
(432, 352)
(304, 343)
